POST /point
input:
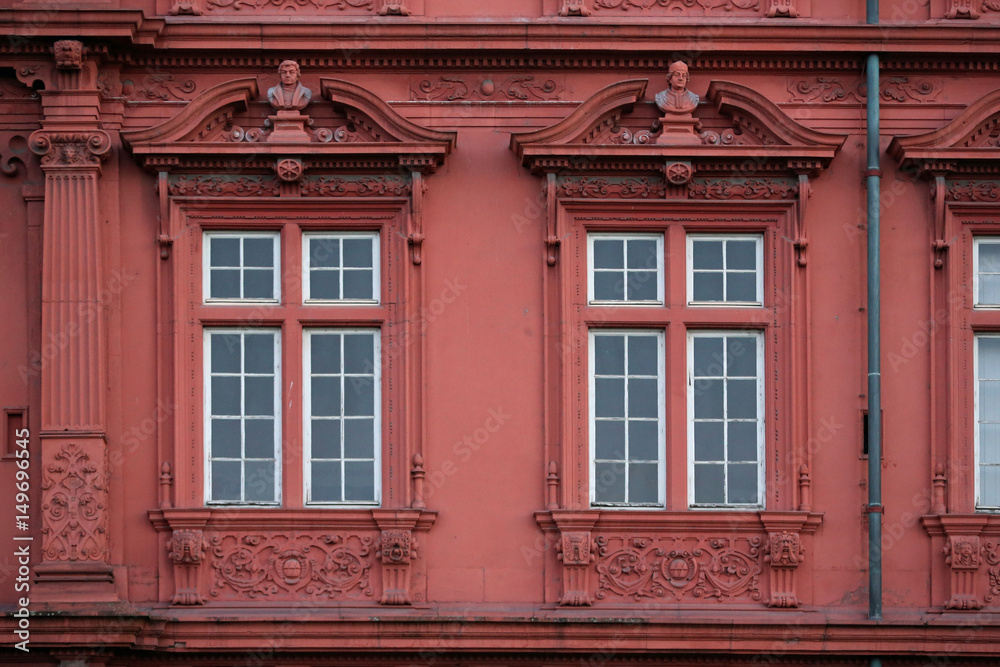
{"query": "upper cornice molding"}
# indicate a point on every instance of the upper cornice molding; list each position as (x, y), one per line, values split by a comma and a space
(548, 35)
(966, 145)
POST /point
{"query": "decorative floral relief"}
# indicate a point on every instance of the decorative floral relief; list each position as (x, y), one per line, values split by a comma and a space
(702, 568)
(513, 88)
(74, 495)
(991, 5)
(677, 5)
(159, 86)
(363, 186)
(292, 565)
(218, 186)
(601, 188)
(763, 188)
(991, 553)
(973, 191)
(251, 6)
(833, 89)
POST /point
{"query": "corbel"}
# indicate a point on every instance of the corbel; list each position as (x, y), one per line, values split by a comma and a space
(801, 241)
(784, 8)
(164, 239)
(551, 236)
(397, 549)
(939, 244)
(962, 9)
(393, 8)
(783, 554)
(575, 550)
(416, 235)
(574, 8)
(187, 551)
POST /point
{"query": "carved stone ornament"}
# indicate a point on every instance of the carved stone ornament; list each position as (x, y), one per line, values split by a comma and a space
(835, 90)
(991, 553)
(781, 8)
(521, 87)
(574, 8)
(68, 54)
(751, 188)
(575, 551)
(291, 566)
(603, 188)
(70, 149)
(296, 6)
(962, 9)
(784, 553)
(396, 548)
(678, 173)
(74, 503)
(963, 554)
(289, 169)
(187, 550)
(988, 191)
(687, 7)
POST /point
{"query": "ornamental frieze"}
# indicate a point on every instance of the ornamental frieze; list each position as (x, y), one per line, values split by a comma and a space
(309, 186)
(836, 90)
(760, 188)
(969, 191)
(524, 87)
(603, 188)
(679, 568)
(676, 7)
(284, 566)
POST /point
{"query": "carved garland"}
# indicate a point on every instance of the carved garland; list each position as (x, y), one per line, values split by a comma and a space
(291, 566)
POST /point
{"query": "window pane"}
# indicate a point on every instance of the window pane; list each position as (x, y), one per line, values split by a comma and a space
(642, 254)
(707, 254)
(259, 353)
(709, 443)
(324, 284)
(741, 255)
(358, 284)
(224, 251)
(743, 441)
(708, 357)
(989, 257)
(609, 398)
(989, 357)
(357, 252)
(989, 289)
(609, 254)
(989, 443)
(609, 440)
(225, 353)
(742, 483)
(260, 481)
(359, 356)
(259, 438)
(226, 480)
(225, 284)
(226, 438)
(258, 284)
(642, 286)
(989, 401)
(326, 396)
(325, 438)
(258, 252)
(324, 252)
(259, 395)
(642, 398)
(741, 399)
(708, 403)
(642, 483)
(741, 356)
(989, 486)
(225, 396)
(359, 438)
(325, 351)
(359, 481)
(609, 286)
(643, 357)
(359, 396)
(643, 441)
(609, 355)
(707, 287)
(609, 482)
(741, 287)
(709, 484)
(326, 481)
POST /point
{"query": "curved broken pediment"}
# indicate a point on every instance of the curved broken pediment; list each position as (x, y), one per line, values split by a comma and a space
(227, 123)
(611, 132)
(966, 145)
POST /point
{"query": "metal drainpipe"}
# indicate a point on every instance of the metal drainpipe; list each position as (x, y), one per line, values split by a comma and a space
(874, 342)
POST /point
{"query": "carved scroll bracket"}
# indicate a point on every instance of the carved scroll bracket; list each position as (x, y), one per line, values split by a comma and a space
(965, 549)
(187, 552)
(939, 244)
(397, 549)
(575, 551)
(784, 553)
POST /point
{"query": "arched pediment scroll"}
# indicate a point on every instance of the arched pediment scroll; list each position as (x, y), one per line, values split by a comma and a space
(614, 131)
(965, 146)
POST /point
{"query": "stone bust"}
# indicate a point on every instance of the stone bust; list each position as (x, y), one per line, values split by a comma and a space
(289, 94)
(677, 99)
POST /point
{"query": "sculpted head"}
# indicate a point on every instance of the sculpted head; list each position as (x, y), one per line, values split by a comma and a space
(288, 72)
(678, 76)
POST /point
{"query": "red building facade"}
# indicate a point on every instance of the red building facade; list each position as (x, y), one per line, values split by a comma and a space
(422, 332)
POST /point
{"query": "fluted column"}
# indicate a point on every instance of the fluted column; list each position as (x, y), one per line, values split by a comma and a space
(74, 475)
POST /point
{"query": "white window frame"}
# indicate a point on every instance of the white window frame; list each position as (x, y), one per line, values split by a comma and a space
(376, 267)
(761, 421)
(660, 277)
(977, 241)
(977, 423)
(307, 416)
(206, 261)
(207, 410)
(660, 335)
(689, 269)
